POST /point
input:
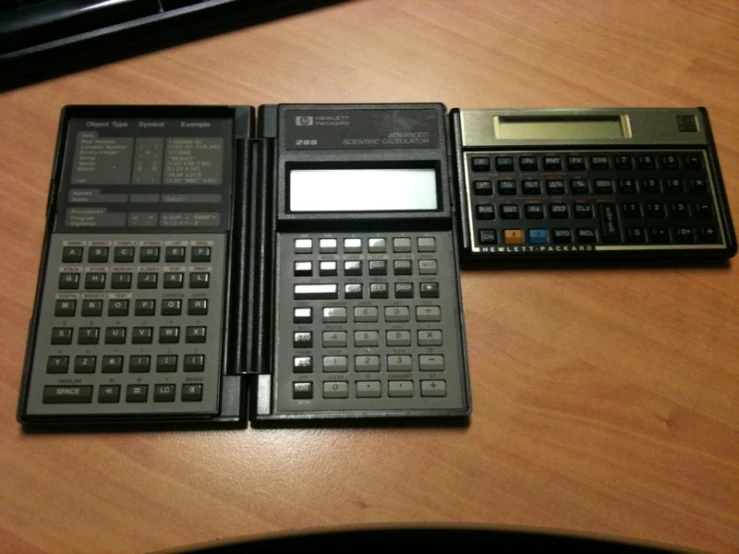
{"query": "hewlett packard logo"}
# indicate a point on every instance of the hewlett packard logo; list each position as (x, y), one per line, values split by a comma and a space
(304, 120)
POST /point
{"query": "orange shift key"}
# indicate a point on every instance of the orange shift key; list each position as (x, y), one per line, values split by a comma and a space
(513, 236)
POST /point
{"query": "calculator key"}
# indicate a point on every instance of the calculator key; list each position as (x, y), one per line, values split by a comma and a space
(327, 246)
(169, 335)
(483, 188)
(398, 338)
(655, 210)
(531, 186)
(429, 338)
(115, 335)
(194, 362)
(149, 254)
(192, 393)
(147, 280)
(121, 280)
(142, 335)
(698, 185)
(555, 186)
(579, 186)
(57, 364)
(583, 210)
(109, 394)
(334, 339)
(303, 339)
(316, 292)
(647, 161)
(659, 235)
(328, 269)
(174, 254)
(636, 235)
(88, 335)
(200, 254)
(562, 236)
(488, 236)
(558, 210)
(139, 364)
(171, 306)
(65, 308)
(173, 280)
(95, 280)
(401, 244)
(552, 163)
(627, 186)
(679, 209)
(480, 163)
(693, 161)
(403, 267)
(166, 363)
(144, 307)
(426, 244)
(366, 338)
(538, 236)
(369, 389)
(434, 387)
(69, 281)
(377, 245)
(352, 267)
(623, 162)
(303, 269)
(137, 393)
(670, 162)
(534, 211)
(403, 290)
(365, 314)
(195, 334)
(367, 363)
(651, 186)
(335, 364)
(112, 364)
(510, 211)
(334, 315)
(92, 308)
(708, 234)
(576, 163)
(603, 186)
(378, 267)
(528, 163)
(428, 313)
(609, 223)
(429, 290)
(336, 389)
(353, 290)
(631, 210)
(586, 235)
(302, 364)
(303, 390)
(485, 211)
(393, 314)
(67, 394)
(379, 290)
(675, 186)
(504, 163)
(599, 162)
(85, 364)
(400, 388)
(512, 236)
(684, 234)
(352, 246)
(303, 246)
(71, 254)
(703, 209)
(399, 363)
(431, 362)
(97, 254)
(164, 393)
(507, 188)
(199, 280)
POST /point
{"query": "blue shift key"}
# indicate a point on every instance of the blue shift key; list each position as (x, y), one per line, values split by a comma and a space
(538, 236)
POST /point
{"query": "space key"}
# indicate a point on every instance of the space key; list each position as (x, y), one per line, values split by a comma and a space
(74, 394)
(316, 292)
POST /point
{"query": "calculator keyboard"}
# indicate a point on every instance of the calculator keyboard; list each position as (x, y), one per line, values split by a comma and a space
(368, 321)
(130, 327)
(533, 201)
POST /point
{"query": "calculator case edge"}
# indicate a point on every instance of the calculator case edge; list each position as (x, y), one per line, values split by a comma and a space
(233, 386)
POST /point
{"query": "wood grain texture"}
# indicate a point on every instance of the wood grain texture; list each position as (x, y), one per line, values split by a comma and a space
(604, 400)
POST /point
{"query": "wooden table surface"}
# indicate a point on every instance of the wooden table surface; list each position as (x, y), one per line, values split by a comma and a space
(605, 400)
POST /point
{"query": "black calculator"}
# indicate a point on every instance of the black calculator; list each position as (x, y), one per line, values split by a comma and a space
(137, 281)
(592, 183)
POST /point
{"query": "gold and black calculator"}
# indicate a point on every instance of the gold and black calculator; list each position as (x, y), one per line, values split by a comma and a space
(141, 269)
(364, 307)
(592, 183)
